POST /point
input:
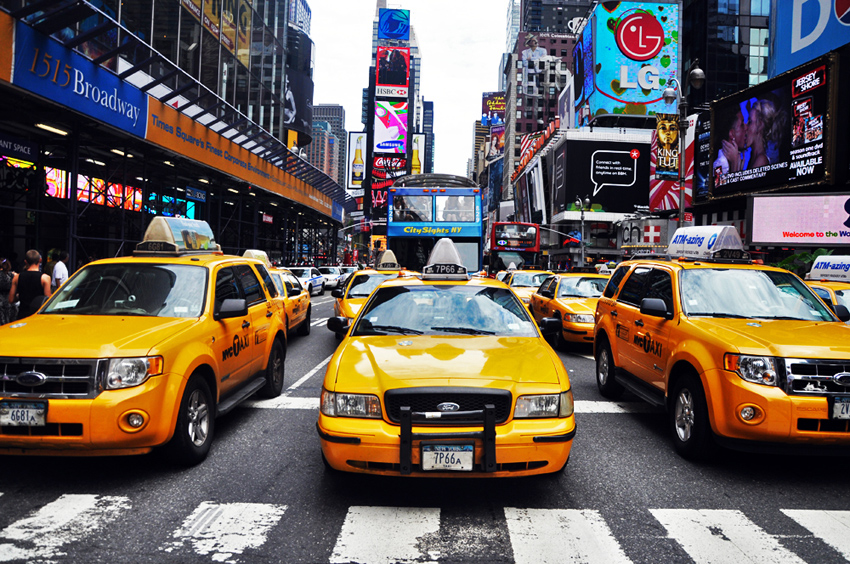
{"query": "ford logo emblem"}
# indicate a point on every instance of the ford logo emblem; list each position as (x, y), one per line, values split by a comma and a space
(842, 378)
(448, 406)
(37, 379)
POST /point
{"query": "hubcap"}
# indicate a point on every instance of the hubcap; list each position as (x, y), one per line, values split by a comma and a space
(199, 418)
(602, 367)
(684, 415)
(277, 368)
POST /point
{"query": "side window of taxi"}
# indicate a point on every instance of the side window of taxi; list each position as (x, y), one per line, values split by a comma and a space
(226, 287)
(548, 287)
(293, 286)
(614, 281)
(267, 280)
(824, 295)
(660, 286)
(250, 284)
(632, 291)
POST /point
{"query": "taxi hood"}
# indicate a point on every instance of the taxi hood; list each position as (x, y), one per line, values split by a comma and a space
(395, 361)
(780, 337)
(87, 336)
(579, 305)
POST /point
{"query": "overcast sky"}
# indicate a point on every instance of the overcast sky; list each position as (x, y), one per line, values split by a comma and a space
(460, 41)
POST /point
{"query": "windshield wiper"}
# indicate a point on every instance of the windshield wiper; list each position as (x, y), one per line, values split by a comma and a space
(787, 317)
(715, 314)
(393, 329)
(464, 330)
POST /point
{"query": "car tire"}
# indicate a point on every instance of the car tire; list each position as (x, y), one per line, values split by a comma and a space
(560, 342)
(322, 290)
(605, 370)
(310, 289)
(274, 371)
(304, 328)
(193, 434)
(689, 424)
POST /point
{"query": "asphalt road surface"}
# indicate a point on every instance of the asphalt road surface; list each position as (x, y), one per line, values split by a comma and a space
(263, 495)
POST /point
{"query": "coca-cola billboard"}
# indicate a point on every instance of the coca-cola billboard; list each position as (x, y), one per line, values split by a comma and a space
(385, 169)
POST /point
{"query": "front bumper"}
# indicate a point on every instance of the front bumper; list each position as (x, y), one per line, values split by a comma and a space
(517, 448)
(578, 332)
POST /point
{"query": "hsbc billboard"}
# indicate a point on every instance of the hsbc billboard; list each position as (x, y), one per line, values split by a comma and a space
(392, 75)
(634, 57)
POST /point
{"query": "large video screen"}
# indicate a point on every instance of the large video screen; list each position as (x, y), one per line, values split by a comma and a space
(392, 76)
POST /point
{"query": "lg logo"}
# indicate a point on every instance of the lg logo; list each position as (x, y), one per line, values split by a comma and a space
(640, 37)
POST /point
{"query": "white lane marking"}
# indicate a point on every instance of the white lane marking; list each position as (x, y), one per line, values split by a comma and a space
(587, 356)
(309, 374)
(582, 407)
(284, 402)
(319, 321)
(69, 518)
(550, 536)
(718, 536)
(833, 527)
(226, 530)
(386, 535)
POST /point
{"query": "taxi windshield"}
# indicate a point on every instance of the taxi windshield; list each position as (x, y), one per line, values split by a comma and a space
(758, 294)
(581, 287)
(363, 284)
(143, 289)
(445, 309)
(528, 279)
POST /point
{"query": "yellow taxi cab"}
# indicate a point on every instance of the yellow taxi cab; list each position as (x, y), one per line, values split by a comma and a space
(830, 279)
(741, 355)
(358, 287)
(445, 375)
(296, 309)
(526, 282)
(570, 298)
(139, 352)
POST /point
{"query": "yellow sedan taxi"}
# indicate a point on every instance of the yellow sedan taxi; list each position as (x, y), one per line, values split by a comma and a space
(526, 282)
(297, 310)
(572, 299)
(445, 375)
(830, 279)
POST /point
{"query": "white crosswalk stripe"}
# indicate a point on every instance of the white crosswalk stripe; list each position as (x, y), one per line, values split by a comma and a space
(552, 536)
(319, 321)
(831, 526)
(226, 530)
(385, 535)
(42, 536)
(722, 536)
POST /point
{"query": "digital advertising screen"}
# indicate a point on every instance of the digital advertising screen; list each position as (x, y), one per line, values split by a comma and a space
(392, 74)
(298, 101)
(492, 108)
(385, 169)
(583, 79)
(356, 163)
(797, 219)
(496, 142)
(773, 134)
(394, 24)
(804, 30)
(390, 127)
(664, 189)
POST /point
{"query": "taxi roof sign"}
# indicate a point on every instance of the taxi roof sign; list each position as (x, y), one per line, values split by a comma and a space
(444, 263)
(177, 236)
(834, 268)
(718, 242)
(258, 255)
(388, 262)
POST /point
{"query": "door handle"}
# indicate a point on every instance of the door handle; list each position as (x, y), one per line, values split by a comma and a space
(639, 322)
(245, 325)
(269, 314)
(614, 313)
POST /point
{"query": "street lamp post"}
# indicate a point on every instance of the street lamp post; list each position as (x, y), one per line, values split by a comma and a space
(582, 205)
(696, 78)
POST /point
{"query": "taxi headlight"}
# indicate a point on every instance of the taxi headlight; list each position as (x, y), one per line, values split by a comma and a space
(129, 372)
(579, 318)
(528, 407)
(351, 405)
(756, 369)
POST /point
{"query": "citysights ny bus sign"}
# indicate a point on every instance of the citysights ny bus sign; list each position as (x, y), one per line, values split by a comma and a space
(634, 57)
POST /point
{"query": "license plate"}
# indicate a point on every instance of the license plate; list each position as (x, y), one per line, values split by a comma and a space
(23, 413)
(448, 457)
(841, 407)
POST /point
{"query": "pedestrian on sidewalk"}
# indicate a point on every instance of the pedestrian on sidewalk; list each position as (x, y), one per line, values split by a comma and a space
(30, 287)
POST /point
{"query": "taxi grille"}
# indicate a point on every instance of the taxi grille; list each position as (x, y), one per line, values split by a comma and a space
(468, 399)
(813, 377)
(63, 378)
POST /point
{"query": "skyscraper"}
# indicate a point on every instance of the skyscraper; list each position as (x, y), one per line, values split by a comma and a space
(428, 130)
(334, 114)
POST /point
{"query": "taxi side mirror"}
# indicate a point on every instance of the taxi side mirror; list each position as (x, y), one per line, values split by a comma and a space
(842, 313)
(339, 324)
(231, 308)
(338, 293)
(550, 326)
(655, 307)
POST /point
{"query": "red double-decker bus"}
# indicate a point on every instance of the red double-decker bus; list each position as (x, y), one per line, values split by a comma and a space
(514, 243)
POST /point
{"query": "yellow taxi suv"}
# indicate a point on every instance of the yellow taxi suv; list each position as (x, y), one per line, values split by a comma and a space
(741, 355)
(526, 282)
(571, 298)
(445, 376)
(140, 352)
(830, 279)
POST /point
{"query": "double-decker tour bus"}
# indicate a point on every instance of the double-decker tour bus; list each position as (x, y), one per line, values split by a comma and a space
(514, 243)
(424, 208)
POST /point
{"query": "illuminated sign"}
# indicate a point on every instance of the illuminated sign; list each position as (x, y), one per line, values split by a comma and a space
(392, 75)
(804, 30)
(394, 24)
(811, 219)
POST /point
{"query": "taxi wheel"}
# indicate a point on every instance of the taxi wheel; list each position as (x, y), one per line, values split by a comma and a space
(274, 371)
(322, 289)
(304, 328)
(689, 423)
(605, 369)
(310, 290)
(560, 342)
(193, 434)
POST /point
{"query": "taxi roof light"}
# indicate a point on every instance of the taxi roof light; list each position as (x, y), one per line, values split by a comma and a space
(834, 268)
(259, 255)
(444, 263)
(708, 242)
(176, 236)
(388, 262)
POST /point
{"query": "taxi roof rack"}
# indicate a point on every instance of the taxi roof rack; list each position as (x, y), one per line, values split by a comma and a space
(177, 236)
